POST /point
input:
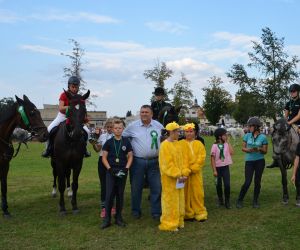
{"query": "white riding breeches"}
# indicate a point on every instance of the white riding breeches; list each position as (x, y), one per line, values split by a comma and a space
(60, 118)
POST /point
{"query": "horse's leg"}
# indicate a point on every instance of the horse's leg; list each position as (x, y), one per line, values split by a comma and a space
(70, 192)
(3, 174)
(54, 181)
(61, 186)
(285, 197)
(76, 172)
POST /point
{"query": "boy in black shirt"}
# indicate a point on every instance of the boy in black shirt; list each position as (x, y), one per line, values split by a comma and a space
(117, 158)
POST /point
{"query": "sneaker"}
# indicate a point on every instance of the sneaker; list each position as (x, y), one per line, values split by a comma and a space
(113, 211)
(102, 214)
(239, 204)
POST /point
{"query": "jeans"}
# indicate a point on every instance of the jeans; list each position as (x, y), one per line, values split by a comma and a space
(139, 168)
(102, 177)
(252, 167)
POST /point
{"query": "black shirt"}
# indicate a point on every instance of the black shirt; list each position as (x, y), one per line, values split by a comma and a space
(293, 107)
(157, 107)
(117, 151)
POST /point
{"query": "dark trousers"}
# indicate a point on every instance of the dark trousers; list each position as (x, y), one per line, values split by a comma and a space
(256, 168)
(115, 187)
(223, 174)
(102, 178)
(297, 183)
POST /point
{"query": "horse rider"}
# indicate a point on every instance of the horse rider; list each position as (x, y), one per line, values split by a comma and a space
(291, 111)
(73, 88)
(159, 102)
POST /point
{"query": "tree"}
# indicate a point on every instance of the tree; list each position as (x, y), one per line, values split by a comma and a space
(247, 104)
(216, 100)
(75, 69)
(5, 103)
(159, 74)
(182, 93)
(274, 73)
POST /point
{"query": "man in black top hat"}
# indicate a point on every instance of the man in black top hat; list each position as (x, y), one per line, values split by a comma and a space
(159, 102)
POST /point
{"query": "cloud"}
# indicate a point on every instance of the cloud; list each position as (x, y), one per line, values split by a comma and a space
(114, 45)
(7, 16)
(166, 26)
(56, 15)
(41, 49)
(236, 39)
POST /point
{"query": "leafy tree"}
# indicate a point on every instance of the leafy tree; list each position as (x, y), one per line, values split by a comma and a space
(75, 69)
(5, 103)
(159, 74)
(217, 100)
(182, 93)
(247, 104)
(274, 72)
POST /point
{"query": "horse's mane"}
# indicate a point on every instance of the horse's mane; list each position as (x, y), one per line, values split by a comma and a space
(7, 112)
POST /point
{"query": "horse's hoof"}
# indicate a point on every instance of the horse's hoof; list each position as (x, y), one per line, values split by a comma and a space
(53, 192)
(7, 215)
(63, 213)
(75, 211)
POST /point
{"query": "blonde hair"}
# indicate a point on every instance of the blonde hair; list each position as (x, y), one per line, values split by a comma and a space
(109, 121)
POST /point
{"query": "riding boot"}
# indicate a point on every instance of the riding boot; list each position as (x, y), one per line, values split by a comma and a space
(274, 164)
(47, 153)
(239, 203)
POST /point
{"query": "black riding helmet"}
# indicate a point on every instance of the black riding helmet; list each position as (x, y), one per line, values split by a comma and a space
(294, 87)
(254, 121)
(159, 91)
(219, 132)
(74, 80)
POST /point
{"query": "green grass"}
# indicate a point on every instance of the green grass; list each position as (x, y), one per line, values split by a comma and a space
(36, 223)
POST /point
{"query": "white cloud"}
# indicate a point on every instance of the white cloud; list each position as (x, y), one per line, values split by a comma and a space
(236, 39)
(55, 15)
(7, 16)
(41, 49)
(117, 45)
(166, 26)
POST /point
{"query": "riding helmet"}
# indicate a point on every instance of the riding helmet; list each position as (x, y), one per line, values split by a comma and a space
(294, 87)
(159, 91)
(74, 80)
(219, 132)
(254, 121)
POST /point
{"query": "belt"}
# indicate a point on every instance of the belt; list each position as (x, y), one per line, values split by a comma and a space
(147, 158)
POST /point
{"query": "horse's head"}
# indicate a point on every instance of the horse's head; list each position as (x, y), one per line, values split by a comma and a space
(30, 119)
(77, 112)
(168, 114)
(281, 136)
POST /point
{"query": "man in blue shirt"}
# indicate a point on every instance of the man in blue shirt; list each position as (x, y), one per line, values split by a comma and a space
(144, 135)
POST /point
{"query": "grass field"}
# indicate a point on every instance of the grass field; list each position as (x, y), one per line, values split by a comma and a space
(36, 223)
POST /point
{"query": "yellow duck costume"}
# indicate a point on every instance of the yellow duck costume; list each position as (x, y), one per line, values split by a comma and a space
(194, 190)
(172, 166)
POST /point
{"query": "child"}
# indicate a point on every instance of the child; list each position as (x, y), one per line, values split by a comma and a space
(117, 158)
(174, 173)
(101, 168)
(73, 88)
(220, 156)
(159, 102)
(296, 175)
(194, 190)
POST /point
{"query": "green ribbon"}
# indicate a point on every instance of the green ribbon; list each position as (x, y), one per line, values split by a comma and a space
(221, 147)
(67, 112)
(154, 136)
(23, 115)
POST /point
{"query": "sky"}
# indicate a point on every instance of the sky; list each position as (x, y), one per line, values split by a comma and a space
(123, 38)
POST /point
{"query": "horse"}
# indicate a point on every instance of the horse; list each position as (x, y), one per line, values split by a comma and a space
(22, 113)
(236, 134)
(285, 139)
(168, 114)
(69, 148)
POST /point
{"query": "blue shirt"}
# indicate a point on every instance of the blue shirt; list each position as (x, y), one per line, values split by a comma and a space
(252, 142)
(141, 137)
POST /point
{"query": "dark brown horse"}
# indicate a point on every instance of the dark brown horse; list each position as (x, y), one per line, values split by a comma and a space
(69, 148)
(24, 114)
(168, 114)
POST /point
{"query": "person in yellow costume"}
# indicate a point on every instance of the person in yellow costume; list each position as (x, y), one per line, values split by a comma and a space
(194, 190)
(174, 172)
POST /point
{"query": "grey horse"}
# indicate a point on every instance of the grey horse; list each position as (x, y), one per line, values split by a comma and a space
(285, 139)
